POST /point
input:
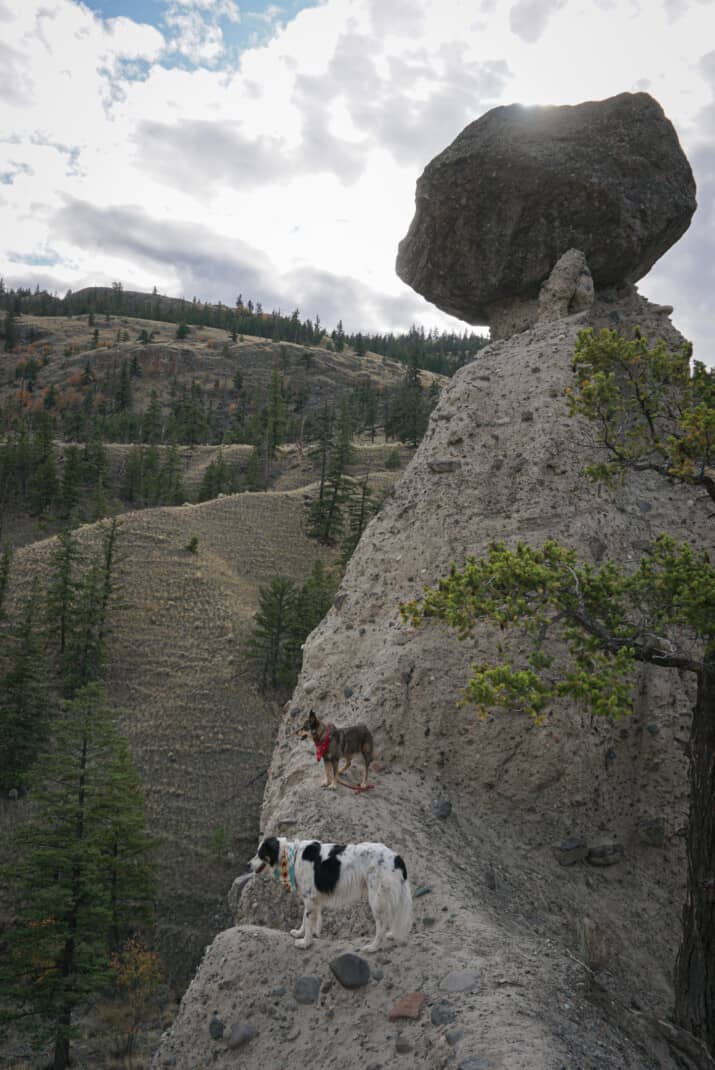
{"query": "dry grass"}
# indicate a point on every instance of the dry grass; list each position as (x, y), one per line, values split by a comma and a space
(199, 728)
(207, 356)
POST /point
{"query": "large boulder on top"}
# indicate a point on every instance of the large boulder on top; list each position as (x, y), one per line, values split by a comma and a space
(521, 186)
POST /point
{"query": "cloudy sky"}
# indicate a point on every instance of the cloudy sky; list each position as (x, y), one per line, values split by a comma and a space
(212, 147)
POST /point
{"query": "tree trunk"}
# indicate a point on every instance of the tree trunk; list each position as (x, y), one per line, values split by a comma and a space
(695, 966)
(62, 1041)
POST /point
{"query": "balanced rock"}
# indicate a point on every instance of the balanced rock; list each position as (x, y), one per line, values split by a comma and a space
(521, 186)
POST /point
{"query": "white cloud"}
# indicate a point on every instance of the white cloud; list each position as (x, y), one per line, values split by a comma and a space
(292, 168)
(218, 8)
(528, 18)
(15, 84)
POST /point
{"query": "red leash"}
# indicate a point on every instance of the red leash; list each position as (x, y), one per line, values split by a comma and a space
(357, 788)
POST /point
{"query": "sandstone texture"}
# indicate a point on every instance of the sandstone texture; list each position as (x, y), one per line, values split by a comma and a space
(502, 946)
(521, 186)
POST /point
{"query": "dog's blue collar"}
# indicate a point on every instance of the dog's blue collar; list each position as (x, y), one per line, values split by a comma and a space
(285, 870)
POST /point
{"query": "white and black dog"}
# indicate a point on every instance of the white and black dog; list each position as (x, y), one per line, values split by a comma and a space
(337, 875)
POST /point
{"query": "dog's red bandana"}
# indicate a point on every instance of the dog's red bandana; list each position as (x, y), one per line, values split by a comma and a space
(321, 748)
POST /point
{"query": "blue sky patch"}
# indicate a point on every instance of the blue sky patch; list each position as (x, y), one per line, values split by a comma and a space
(35, 259)
(258, 19)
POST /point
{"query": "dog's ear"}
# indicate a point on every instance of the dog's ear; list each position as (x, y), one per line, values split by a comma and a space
(312, 719)
(269, 851)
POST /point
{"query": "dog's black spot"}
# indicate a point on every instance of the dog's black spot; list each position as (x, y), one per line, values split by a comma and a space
(399, 864)
(311, 852)
(326, 871)
(327, 874)
(269, 851)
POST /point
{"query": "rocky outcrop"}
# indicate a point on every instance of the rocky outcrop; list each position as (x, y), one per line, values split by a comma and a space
(501, 459)
(531, 849)
(521, 186)
(569, 287)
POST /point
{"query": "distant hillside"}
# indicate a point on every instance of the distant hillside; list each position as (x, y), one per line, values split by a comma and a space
(70, 356)
(438, 351)
(196, 401)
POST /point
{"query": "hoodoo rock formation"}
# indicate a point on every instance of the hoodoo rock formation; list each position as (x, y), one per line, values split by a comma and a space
(520, 186)
(547, 861)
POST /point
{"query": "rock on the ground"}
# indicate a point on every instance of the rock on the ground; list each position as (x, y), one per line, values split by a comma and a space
(442, 1014)
(441, 808)
(607, 853)
(572, 849)
(460, 981)
(351, 970)
(521, 186)
(408, 1006)
(240, 1034)
(306, 990)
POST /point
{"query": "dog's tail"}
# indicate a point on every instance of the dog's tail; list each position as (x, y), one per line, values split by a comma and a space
(401, 903)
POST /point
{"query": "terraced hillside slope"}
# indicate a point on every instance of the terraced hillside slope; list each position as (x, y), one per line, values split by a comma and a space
(200, 728)
(525, 964)
(100, 387)
(201, 731)
(207, 355)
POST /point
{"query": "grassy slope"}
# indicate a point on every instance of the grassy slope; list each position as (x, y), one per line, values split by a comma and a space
(199, 729)
(201, 357)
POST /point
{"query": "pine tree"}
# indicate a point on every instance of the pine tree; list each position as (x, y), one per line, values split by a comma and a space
(88, 623)
(62, 588)
(152, 420)
(84, 821)
(361, 508)
(151, 475)
(5, 563)
(326, 516)
(273, 420)
(10, 331)
(254, 474)
(409, 410)
(313, 601)
(218, 478)
(24, 702)
(123, 399)
(325, 429)
(71, 491)
(126, 846)
(132, 486)
(100, 502)
(171, 480)
(270, 643)
(42, 483)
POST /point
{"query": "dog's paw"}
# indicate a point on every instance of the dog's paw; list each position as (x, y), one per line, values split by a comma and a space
(325, 785)
(296, 933)
(370, 947)
(332, 787)
(303, 943)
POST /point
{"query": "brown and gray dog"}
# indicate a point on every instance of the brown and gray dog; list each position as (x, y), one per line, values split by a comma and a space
(333, 743)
